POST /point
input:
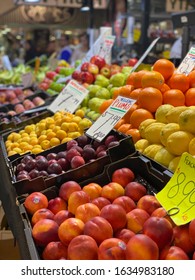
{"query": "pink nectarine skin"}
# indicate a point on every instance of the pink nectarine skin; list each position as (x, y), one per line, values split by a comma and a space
(136, 219)
(56, 204)
(87, 211)
(93, 190)
(76, 199)
(126, 202)
(135, 190)
(54, 251)
(100, 202)
(173, 253)
(61, 216)
(35, 201)
(192, 231)
(112, 249)
(142, 247)
(124, 234)
(112, 190)
(123, 176)
(148, 203)
(181, 238)
(42, 213)
(67, 188)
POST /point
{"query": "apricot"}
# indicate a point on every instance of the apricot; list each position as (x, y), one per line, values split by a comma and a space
(173, 253)
(87, 211)
(98, 228)
(142, 247)
(69, 229)
(181, 238)
(124, 234)
(100, 202)
(82, 247)
(54, 251)
(136, 219)
(112, 190)
(93, 190)
(35, 201)
(126, 202)
(42, 213)
(148, 203)
(112, 249)
(76, 199)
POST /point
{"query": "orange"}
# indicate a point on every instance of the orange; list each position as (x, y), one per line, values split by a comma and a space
(190, 97)
(119, 123)
(174, 97)
(124, 127)
(164, 88)
(125, 90)
(138, 116)
(115, 93)
(134, 78)
(191, 77)
(152, 79)
(165, 67)
(128, 114)
(179, 81)
(105, 105)
(150, 99)
(135, 94)
(134, 132)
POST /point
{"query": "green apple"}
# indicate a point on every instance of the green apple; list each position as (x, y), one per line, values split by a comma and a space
(93, 89)
(126, 70)
(95, 116)
(57, 87)
(67, 71)
(101, 81)
(118, 79)
(94, 103)
(85, 109)
(90, 114)
(103, 93)
(85, 101)
(112, 90)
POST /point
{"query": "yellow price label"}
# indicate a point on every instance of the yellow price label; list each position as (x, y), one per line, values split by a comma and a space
(178, 196)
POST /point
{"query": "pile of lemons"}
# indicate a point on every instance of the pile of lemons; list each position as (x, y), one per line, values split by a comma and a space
(47, 133)
(169, 135)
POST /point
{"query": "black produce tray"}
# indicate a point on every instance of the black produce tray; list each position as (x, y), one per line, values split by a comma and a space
(124, 149)
(144, 171)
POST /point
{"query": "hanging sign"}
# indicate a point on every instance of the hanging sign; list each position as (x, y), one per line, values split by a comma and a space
(27, 79)
(178, 196)
(106, 122)
(69, 98)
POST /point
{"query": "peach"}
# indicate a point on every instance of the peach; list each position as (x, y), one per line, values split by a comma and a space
(54, 251)
(45, 231)
(136, 219)
(56, 204)
(112, 190)
(135, 190)
(35, 201)
(115, 215)
(76, 199)
(192, 231)
(61, 216)
(112, 249)
(162, 213)
(67, 188)
(69, 229)
(100, 202)
(123, 176)
(98, 228)
(124, 234)
(94, 190)
(142, 247)
(126, 202)
(82, 247)
(193, 256)
(87, 211)
(173, 253)
(181, 238)
(149, 203)
(159, 230)
(42, 213)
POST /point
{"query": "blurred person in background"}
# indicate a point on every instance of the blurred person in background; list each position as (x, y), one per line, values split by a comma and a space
(30, 52)
(66, 50)
(52, 49)
(82, 48)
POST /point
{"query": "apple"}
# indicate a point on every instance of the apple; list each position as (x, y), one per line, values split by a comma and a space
(85, 66)
(103, 93)
(95, 103)
(117, 80)
(93, 68)
(87, 77)
(101, 80)
(76, 75)
(114, 69)
(105, 71)
(98, 60)
(93, 89)
(132, 61)
(51, 74)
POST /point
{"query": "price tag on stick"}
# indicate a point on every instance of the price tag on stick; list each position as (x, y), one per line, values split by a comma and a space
(110, 117)
(187, 63)
(27, 79)
(69, 98)
(178, 196)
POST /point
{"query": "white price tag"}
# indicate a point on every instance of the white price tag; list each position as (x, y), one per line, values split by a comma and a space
(69, 98)
(27, 79)
(105, 123)
(187, 63)
(106, 46)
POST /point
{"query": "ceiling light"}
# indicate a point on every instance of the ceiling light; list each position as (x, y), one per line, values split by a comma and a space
(85, 6)
(31, 1)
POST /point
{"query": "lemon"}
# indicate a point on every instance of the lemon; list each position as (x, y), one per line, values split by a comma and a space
(80, 113)
(186, 120)
(143, 126)
(173, 115)
(141, 144)
(174, 163)
(178, 142)
(66, 139)
(152, 132)
(161, 112)
(192, 147)
(151, 150)
(167, 130)
(163, 157)
(45, 144)
(54, 141)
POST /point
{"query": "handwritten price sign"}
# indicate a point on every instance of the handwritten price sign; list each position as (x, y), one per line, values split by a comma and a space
(69, 98)
(187, 63)
(110, 117)
(178, 196)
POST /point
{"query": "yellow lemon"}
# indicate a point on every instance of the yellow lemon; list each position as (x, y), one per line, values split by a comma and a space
(141, 144)
(151, 150)
(33, 141)
(41, 138)
(192, 147)
(36, 150)
(64, 126)
(74, 134)
(50, 135)
(61, 134)
(163, 157)
(28, 129)
(54, 141)
(80, 113)
(174, 163)
(178, 142)
(45, 144)
(187, 120)
(72, 126)
(160, 114)
(84, 123)
(17, 150)
(173, 115)
(167, 130)
(11, 153)
(152, 132)
(143, 126)
(66, 139)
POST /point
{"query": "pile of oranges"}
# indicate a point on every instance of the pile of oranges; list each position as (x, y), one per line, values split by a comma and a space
(162, 85)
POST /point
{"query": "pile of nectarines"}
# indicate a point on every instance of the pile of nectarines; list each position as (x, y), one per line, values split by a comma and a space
(120, 220)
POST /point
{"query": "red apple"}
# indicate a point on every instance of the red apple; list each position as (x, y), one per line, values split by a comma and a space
(84, 67)
(132, 61)
(76, 75)
(93, 69)
(105, 71)
(98, 60)
(87, 77)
